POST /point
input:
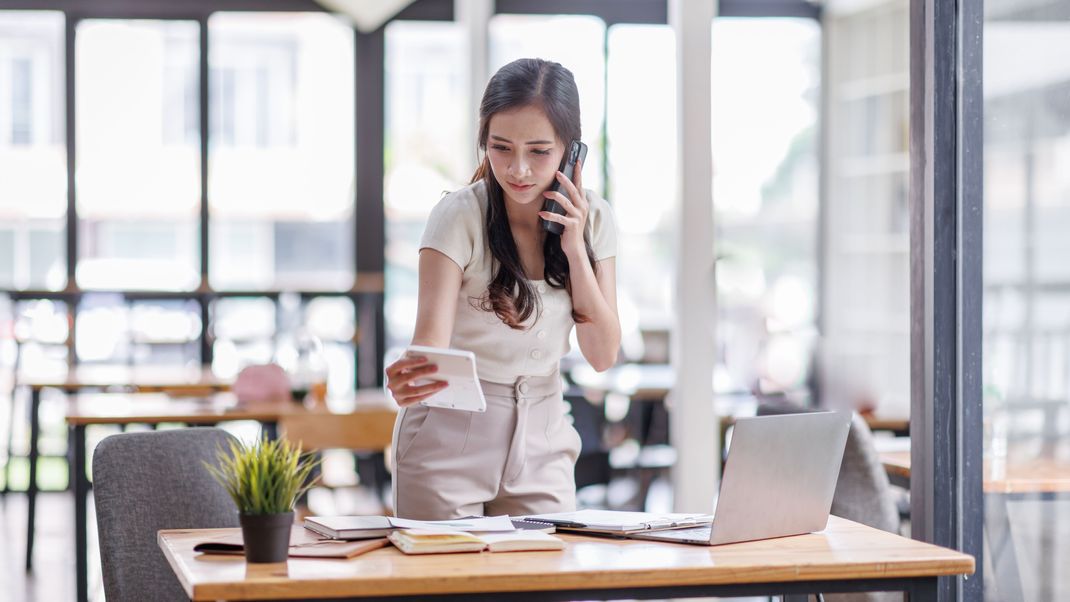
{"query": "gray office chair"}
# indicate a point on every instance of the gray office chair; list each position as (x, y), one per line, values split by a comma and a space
(863, 493)
(144, 482)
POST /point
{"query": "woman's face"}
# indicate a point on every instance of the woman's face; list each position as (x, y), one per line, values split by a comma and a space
(524, 153)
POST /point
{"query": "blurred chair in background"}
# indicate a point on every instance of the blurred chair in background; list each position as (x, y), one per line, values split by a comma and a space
(863, 493)
(262, 382)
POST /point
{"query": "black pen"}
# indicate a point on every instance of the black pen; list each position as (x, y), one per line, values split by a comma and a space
(567, 524)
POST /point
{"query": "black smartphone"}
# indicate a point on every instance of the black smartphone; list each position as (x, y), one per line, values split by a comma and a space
(577, 151)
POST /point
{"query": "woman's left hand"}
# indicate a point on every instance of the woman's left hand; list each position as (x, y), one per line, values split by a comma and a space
(575, 218)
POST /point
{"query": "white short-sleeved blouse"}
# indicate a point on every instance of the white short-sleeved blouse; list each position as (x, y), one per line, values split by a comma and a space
(456, 228)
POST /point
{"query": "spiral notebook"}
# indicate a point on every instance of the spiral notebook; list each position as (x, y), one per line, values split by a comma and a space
(613, 522)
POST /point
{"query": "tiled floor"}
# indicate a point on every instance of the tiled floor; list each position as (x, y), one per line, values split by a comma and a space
(52, 579)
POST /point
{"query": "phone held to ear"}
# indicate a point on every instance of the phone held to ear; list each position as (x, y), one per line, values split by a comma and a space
(576, 152)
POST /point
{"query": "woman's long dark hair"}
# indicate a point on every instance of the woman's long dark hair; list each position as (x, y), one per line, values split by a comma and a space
(551, 88)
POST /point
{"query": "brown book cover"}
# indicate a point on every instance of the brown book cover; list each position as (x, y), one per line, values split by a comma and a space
(303, 544)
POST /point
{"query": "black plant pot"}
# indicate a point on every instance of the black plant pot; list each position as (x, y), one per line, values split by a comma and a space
(266, 536)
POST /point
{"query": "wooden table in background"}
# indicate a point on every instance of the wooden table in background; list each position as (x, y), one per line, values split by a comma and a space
(1042, 478)
(175, 379)
(897, 465)
(900, 427)
(653, 382)
(847, 556)
(1031, 476)
(156, 408)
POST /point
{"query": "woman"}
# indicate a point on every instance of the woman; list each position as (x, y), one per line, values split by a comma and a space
(494, 282)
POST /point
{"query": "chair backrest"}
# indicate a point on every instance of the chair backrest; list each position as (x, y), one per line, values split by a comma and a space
(144, 482)
(863, 493)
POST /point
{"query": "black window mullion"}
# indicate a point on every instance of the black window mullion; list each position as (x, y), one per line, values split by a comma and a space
(202, 100)
(70, 28)
(72, 211)
(369, 216)
(946, 282)
(633, 11)
(769, 8)
(202, 96)
(159, 9)
(607, 189)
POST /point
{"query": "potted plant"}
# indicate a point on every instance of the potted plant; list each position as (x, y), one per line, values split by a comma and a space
(264, 479)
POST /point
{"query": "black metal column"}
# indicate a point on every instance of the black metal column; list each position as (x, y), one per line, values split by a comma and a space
(945, 274)
(370, 218)
(71, 93)
(202, 95)
(372, 341)
(72, 209)
(31, 489)
(80, 484)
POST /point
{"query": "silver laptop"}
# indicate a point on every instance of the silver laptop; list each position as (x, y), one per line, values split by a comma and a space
(778, 480)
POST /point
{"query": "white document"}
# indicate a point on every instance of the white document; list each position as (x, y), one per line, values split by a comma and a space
(481, 524)
(613, 521)
(458, 368)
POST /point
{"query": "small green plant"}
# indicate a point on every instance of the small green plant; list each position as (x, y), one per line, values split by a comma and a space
(266, 477)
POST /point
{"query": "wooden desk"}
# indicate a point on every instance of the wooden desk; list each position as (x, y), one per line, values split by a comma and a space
(155, 408)
(178, 379)
(847, 556)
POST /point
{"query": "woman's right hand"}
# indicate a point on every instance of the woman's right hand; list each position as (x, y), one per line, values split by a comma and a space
(401, 374)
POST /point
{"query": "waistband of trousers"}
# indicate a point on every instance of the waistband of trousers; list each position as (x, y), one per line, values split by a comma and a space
(525, 387)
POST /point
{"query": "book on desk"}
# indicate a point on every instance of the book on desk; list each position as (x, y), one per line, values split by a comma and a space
(369, 527)
(416, 541)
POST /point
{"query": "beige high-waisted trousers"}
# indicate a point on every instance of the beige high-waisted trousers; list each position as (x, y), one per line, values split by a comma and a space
(516, 458)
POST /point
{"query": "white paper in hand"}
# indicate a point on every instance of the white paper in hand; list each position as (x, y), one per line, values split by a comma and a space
(458, 368)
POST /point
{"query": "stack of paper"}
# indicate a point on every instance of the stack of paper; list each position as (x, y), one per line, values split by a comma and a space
(367, 527)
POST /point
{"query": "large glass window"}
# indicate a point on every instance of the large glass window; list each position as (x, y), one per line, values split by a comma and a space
(298, 334)
(138, 154)
(426, 153)
(110, 328)
(244, 330)
(865, 352)
(33, 161)
(641, 146)
(765, 197)
(1026, 351)
(281, 159)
